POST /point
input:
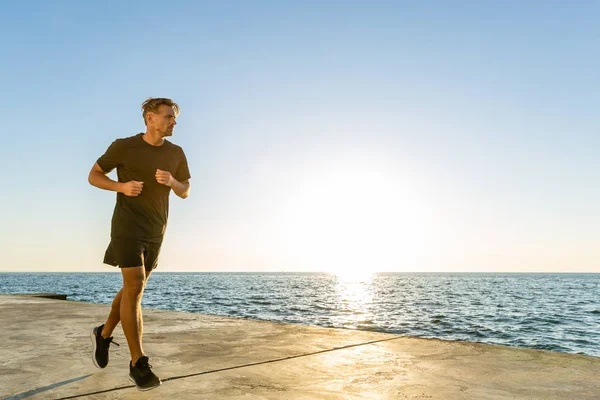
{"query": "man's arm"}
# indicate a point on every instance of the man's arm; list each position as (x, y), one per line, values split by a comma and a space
(181, 189)
(98, 178)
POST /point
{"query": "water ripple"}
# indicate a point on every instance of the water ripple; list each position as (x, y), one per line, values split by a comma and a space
(559, 312)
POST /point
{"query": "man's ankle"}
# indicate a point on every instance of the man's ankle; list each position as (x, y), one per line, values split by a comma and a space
(135, 359)
(104, 336)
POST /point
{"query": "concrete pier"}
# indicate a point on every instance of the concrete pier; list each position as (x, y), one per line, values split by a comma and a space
(45, 353)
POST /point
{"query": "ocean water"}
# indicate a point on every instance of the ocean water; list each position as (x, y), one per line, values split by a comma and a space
(559, 312)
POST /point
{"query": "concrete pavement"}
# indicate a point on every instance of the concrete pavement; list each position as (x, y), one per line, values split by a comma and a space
(45, 353)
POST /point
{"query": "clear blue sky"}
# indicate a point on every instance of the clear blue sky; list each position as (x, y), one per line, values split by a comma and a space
(339, 135)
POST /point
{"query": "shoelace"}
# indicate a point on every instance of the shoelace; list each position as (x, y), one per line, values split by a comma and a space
(110, 340)
(145, 365)
(145, 369)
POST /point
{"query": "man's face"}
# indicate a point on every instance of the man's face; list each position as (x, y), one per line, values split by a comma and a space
(163, 121)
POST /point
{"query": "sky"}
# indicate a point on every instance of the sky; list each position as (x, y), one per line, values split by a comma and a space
(338, 136)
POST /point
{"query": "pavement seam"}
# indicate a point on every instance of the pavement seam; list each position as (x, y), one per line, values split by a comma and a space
(172, 378)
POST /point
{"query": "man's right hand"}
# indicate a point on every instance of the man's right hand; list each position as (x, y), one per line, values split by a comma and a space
(131, 188)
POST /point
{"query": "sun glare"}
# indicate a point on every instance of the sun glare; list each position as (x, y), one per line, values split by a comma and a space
(353, 275)
(352, 221)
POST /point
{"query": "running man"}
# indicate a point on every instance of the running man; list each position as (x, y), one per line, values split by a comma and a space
(148, 168)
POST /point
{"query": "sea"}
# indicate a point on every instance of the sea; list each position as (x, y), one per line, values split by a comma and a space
(558, 312)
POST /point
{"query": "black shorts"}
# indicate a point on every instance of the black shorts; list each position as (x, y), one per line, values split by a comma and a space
(129, 252)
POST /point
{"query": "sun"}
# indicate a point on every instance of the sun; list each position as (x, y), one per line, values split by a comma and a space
(353, 220)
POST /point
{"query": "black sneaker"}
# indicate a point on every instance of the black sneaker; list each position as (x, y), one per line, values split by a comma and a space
(142, 375)
(100, 347)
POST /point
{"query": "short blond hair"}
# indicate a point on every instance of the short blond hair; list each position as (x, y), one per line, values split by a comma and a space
(152, 104)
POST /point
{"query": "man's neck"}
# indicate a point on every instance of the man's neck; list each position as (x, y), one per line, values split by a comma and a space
(152, 137)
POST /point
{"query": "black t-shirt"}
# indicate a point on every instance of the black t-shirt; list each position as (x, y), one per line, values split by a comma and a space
(143, 217)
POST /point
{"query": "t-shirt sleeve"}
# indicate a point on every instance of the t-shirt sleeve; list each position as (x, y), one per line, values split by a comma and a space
(113, 157)
(183, 172)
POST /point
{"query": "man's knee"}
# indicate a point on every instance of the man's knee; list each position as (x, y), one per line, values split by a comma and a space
(133, 289)
(134, 280)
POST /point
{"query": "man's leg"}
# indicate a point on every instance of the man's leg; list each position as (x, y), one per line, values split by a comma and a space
(134, 279)
(140, 372)
(114, 317)
(115, 312)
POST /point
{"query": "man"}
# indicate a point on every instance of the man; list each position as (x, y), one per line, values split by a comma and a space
(148, 168)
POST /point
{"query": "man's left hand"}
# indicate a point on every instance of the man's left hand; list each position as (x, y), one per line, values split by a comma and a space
(164, 177)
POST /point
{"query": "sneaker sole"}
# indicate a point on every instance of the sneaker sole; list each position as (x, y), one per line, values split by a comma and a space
(142, 389)
(93, 337)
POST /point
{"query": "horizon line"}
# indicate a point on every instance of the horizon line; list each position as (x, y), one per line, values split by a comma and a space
(312, 272)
